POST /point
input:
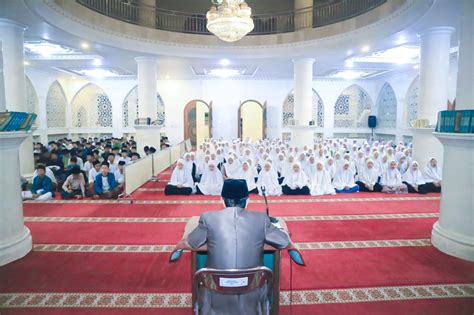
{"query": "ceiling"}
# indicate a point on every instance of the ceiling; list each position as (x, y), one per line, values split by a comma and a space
(121, 60)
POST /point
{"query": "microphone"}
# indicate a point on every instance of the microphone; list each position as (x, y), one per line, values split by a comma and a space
(272, 219)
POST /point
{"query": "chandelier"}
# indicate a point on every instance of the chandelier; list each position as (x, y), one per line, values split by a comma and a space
(229, 19)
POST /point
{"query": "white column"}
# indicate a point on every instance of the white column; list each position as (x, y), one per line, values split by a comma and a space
(11, 36)
(465, 81)
(15, 237)
(146, 74)
(433, 92)
(147, 90)
(453, 234)
(434, 72)
(302, 132)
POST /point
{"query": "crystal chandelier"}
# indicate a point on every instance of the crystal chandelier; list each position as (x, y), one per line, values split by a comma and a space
(229, 19)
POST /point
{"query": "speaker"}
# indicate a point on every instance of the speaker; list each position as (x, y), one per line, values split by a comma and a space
(372, 121)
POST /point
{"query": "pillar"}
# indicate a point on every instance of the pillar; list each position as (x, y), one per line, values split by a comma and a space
(15, 237)
(433, 91)
(303, 18)
(147, 13)
(11, 36)
(453, 233)
(302, 132)
(147, 107)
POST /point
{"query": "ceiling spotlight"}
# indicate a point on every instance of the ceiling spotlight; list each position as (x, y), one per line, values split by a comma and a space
(74, 78)
(85, 45)
(349, 63)
(26, 63)
(167, 77)
(401, 40)
(224, 62)
(416, 67)
(365, 48)
(349, 52)
(97, 62)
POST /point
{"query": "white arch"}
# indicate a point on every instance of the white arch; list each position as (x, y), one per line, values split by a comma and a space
(56, 104)
(288, 111)
(91, 108)
(352, 108)
(387, 107)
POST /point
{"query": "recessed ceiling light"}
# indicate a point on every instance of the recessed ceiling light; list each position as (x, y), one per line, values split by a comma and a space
(74, 78)
(400, 55)
(85, 45)
(365, 48)
(167, 77)
(97, 62)
(26, 63)
(224, 62)
(349, 52)
(401, 40)
(349, 63)
(98, 73)
(416, 67)
(224, 72)
(48, 49)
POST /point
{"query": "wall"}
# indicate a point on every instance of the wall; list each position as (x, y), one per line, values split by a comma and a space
(226, 96)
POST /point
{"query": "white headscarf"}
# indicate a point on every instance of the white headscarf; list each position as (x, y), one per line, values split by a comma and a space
(310, 168)
(321, 182)
(181, 176)
(211, 182)
(232, 169)
(343, 178)
(287, 167)
(413, 177)
(269, 180)
(391, 177)
(433, 174)
(368, 176)
(247, 175)
(331, 168)
(297, 179)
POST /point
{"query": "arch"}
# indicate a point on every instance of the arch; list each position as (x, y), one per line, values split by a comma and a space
(130, 110)
(32, 103)
(387, 107)
(91, 108)
(289, 109)
(250, 124)
(411, 101)
(197, 118)
(56, 104)
(352, 108)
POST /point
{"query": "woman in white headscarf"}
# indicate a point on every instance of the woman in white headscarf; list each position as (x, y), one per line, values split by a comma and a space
(296, 182)
(246, 173)
(359, 161)
(433, 175)
(321, 181)
(343, 180)
(268, 179)
(211, 181)
(202, 167)
(368, 178)
(279, 164)
(330, 167)
(231, 167)
(415, 180)
(287, 167)
(310, 168)
(181, 182)
(392, 180)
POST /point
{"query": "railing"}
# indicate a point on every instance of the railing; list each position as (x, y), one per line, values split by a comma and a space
(329, 12)
(141, 171)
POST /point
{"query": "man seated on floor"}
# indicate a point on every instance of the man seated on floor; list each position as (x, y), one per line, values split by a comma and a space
(120, 175)
(74, 185)
(220, 230)
(42, 188)
(105, 185)
(91, 177)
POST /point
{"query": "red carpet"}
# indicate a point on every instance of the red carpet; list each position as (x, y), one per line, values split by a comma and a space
(365, 254)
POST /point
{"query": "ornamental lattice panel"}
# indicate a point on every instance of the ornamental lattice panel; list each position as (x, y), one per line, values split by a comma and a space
(289, 109)
(411, 101)
(91, 108)
(32, 103)
(352, 108)
(130, 110)
(387, 107)
(56, 106)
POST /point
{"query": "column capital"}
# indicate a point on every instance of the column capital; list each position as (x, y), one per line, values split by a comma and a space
(304, 60)
(437, 30)
(143, 58)
(11, 23)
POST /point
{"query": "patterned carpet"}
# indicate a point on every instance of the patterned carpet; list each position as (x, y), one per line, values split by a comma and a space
(365, 254)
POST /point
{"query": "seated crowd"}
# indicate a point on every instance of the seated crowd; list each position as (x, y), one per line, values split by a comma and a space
(331, 166)
(86, 168)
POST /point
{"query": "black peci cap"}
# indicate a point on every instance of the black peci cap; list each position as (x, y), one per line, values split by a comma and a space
(235, 189)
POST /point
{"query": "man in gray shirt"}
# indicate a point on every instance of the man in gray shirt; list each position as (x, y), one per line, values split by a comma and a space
(235, 239)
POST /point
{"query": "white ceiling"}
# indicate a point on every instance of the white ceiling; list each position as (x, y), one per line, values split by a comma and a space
(442, 13)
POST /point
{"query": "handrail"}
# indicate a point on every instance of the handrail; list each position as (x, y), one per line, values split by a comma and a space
(135, 12)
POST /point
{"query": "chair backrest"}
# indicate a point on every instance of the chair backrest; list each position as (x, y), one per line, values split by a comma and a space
(233, 281)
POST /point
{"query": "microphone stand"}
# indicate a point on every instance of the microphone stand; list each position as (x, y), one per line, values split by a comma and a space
(272, 219)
